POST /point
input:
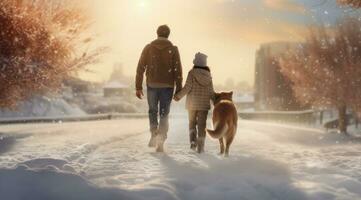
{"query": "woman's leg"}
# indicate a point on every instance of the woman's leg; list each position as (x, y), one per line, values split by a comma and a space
(201, 124)
(192, 115)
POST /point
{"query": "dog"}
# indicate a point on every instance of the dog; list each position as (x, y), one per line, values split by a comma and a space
(225, 119)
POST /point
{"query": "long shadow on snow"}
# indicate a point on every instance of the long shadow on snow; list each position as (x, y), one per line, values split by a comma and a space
(233, 178)
(23, 183)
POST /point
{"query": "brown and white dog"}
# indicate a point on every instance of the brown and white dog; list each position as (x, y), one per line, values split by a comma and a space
(225, 120)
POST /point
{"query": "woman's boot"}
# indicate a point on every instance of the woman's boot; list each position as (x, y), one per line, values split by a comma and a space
(200, 145)
(193, 139)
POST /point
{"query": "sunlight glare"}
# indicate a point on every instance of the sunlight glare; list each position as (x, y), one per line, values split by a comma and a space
(142, 4)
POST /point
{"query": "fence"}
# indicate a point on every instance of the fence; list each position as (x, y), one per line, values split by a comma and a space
(307, 117)
(302, 117)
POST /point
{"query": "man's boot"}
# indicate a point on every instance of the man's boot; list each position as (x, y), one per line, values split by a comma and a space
(153, 139)
(194, 145)
(200, 145)
(193, 139)
(160, 143)
(160, 147)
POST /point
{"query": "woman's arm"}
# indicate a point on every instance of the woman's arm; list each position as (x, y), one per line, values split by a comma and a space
(213, 93)
(186, 89)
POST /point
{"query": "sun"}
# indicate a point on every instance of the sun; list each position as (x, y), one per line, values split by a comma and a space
(142, 3)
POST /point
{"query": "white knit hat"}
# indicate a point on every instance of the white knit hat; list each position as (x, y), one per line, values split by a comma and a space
(200, 60)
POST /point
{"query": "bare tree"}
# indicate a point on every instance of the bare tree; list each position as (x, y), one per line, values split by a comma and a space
(40, 45)
(326, 70)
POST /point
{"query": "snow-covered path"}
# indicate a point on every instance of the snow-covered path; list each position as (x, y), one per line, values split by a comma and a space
(268, 161)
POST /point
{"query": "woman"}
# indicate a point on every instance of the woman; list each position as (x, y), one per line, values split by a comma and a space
(199, 91)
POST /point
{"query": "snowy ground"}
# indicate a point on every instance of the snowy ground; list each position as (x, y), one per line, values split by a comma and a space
(110, 160)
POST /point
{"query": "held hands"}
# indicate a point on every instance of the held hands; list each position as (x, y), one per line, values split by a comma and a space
(139, 94)
(176, 98)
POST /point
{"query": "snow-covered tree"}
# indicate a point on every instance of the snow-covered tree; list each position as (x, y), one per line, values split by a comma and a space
(41, 43)
(326, 70)
(352, 3)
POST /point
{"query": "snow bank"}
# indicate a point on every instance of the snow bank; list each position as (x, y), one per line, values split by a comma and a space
(216, 178)
(42, 107)
(50, 182)
(337, 187)
(55, 179)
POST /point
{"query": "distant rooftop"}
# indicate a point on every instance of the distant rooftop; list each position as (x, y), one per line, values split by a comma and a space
(115, 85)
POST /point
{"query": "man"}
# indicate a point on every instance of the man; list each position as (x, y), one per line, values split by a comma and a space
(160, 61)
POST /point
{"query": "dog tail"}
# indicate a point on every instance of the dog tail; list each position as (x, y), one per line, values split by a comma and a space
(219, 131)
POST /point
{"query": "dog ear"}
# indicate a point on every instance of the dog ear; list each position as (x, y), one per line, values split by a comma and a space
(230, 95)
(217, 97)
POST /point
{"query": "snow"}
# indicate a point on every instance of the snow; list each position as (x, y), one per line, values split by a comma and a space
(42, 107)
(111, 160)
(23, 183)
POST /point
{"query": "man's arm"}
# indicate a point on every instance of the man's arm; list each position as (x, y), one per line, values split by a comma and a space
(187, 88)
(213, 93)
(178, 71)
(142, 66)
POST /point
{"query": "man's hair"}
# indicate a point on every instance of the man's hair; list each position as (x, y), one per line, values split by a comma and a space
(163, 31)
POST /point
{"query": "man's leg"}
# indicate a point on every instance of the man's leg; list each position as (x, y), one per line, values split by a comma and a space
(202, 124)
(165, 100)
(153, 101)
(192, 115)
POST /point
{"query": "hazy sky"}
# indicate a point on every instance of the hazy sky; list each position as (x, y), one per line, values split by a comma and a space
(228, 31)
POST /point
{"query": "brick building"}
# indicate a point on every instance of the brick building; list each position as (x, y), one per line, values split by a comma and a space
(272, 90)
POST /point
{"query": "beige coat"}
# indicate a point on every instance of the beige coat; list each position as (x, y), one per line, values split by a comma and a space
(160, 61)
(199, 90)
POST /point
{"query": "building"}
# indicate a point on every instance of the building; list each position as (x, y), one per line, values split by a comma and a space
(77, 85)
(115, 89)
(273, 91)
(118, 84)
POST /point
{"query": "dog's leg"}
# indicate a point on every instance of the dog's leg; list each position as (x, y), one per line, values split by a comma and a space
(221, 144)
(229, 141)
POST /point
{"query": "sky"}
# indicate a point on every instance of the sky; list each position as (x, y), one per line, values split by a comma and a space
(228, 31)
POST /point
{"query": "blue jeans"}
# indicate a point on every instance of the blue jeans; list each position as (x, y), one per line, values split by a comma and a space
(159, 101)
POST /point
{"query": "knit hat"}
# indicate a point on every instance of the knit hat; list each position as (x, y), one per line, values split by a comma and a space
(200, 60)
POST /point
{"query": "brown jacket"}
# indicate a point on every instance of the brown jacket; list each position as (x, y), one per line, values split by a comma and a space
(199, 90)
(160, 61)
